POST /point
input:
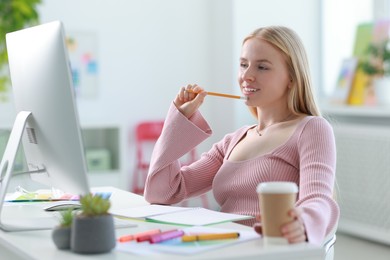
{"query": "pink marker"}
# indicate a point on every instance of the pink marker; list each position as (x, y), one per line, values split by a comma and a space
(157, 238)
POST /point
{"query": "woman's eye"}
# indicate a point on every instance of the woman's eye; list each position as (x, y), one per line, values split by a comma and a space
(262, 68)
(243, 65)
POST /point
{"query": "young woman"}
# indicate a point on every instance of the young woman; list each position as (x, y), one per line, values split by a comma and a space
(290, 142)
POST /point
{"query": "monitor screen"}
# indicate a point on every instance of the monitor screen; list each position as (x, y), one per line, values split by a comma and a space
(42, 84)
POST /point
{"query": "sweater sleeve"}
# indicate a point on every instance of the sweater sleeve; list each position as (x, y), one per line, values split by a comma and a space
(167, 181)
(317, 152)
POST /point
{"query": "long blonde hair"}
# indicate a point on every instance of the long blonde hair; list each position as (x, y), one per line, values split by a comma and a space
(301, 98)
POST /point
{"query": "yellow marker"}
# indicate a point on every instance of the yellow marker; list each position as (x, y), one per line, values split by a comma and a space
(216, 236)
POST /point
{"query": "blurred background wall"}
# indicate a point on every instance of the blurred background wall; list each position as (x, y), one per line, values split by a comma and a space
(148, 49)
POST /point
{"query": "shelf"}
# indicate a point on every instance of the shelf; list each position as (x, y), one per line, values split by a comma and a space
(356, 111)
(102, 146)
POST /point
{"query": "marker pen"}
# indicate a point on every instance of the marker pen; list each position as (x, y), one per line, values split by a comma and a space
(216, 236)
(137, 236)
(165, 236)
(127, 238)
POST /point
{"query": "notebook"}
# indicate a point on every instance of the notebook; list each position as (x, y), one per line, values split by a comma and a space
(190, 216)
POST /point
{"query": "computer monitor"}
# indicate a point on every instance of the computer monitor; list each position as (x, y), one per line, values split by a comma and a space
(47, 118)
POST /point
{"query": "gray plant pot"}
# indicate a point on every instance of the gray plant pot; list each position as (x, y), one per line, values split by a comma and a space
(61, 237)
(92, 235)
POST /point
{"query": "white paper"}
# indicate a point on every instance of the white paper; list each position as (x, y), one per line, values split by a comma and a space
(147, 211)
(198, 217)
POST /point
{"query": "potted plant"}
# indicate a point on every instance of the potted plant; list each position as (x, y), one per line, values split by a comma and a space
(377, 65)
(14, 15)
(93, 227)
(61, 233)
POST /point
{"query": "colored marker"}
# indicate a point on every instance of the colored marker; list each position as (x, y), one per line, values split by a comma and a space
(200, 237)
(127, 238)
(165, 236)
(143, 238)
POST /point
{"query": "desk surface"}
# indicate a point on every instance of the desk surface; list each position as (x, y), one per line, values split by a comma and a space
(38, 244)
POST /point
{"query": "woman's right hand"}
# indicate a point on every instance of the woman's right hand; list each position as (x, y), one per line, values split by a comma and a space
(189, 99)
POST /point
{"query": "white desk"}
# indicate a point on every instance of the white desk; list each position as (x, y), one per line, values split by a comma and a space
(38, 244)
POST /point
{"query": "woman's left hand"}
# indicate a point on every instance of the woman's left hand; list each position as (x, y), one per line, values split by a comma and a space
(295, 231)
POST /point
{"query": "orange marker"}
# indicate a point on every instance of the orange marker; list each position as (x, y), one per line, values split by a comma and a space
(219, 94)
(127, 238)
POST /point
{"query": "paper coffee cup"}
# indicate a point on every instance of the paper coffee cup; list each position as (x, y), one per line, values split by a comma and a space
(276, 199)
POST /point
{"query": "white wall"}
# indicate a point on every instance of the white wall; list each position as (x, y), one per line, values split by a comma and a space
(148, 50)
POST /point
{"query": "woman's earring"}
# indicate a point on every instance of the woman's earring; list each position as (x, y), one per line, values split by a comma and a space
(291, 83)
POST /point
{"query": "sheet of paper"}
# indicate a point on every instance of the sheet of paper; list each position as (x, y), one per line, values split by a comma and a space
(197, 217)
(147, 211)
(175, 246)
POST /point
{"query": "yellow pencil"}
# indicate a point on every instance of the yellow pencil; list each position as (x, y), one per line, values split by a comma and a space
(219, 94)
(216, 236)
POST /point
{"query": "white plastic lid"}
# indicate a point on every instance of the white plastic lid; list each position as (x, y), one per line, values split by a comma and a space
(277, 187)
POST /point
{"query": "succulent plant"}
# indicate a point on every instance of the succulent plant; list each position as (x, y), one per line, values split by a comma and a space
(94, 205)
(66, 218)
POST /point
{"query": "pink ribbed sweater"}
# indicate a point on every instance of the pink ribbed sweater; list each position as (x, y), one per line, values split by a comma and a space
(307, 158)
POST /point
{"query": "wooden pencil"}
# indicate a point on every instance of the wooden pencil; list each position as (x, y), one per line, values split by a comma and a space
(219, 94)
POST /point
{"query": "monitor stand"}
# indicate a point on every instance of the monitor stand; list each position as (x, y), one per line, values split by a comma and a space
(6, 169)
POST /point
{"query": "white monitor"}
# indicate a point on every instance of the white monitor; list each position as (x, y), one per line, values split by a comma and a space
(47, 119)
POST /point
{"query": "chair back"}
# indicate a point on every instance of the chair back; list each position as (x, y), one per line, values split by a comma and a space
(146, 135)
(148, 130)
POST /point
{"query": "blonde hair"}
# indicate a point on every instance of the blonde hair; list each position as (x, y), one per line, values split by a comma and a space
(301, 98)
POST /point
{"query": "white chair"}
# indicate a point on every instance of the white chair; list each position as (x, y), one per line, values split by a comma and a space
(329, 247)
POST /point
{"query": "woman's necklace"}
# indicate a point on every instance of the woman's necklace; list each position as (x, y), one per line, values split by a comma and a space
(258, 131)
